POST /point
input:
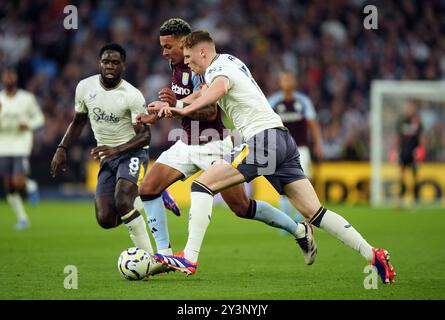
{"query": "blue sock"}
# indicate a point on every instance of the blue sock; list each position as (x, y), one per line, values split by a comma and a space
(157, 221)
(289, 209)
(274, 217)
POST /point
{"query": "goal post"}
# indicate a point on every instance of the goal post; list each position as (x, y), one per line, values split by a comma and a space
(386, 102)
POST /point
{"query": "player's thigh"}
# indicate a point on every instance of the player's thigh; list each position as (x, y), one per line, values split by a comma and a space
(221, 175)
(237, 200)
(303, 197)
(18, 181)
(5, 167)
(179, 157)
(106, 213)
(124, 195)
(106, 181)
(203, 156)
(159, 178)
(20, 169)
(129, 172)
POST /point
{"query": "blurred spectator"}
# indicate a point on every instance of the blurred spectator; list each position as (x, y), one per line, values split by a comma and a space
(324, 42)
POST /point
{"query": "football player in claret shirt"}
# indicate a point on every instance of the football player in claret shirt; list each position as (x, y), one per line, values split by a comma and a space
(202, 143)
(269, 150)
(298, 115)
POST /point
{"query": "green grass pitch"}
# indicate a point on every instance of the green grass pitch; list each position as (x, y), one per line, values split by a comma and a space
(240, 259)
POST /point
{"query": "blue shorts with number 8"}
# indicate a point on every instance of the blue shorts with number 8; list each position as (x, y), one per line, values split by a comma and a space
(131, 167)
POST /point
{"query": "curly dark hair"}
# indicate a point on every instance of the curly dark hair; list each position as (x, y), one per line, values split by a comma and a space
(175, 27)
(114, 47)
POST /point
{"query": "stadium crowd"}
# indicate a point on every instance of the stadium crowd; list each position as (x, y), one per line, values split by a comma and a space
(324, 42)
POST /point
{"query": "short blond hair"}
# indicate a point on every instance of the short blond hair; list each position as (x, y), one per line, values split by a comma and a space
(196, 37)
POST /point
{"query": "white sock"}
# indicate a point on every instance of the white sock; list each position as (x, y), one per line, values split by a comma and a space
(31, 186)
(139, 206)
(338, 227)
(138, 232)
(16, 203)
(166, 252)
(199, 219)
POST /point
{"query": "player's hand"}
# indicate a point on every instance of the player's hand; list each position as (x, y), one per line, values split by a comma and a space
(156, 106)
(393, 155)
(169, 96)
(23, 126)
(104, 152)
(420, 154)
(143, 118)
(168, 112)
(58, 162)
(165, 113)
(318, 151)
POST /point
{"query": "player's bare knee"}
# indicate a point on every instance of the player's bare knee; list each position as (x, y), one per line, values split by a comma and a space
(106, 221)
(150, 189)
(19, 182)
(124, 204)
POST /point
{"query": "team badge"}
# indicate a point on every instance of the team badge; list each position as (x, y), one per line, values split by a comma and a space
(185, 78)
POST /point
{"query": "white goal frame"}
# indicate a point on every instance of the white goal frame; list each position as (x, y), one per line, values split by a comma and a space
(430, 90)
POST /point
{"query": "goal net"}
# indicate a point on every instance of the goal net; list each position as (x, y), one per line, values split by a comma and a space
(388, 100)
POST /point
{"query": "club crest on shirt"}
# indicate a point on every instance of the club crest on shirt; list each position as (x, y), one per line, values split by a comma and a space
(185, 78)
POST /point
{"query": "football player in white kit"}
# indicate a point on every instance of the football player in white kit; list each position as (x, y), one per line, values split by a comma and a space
(20, 115)
(268, 150)
(112, 104)
(202, 142)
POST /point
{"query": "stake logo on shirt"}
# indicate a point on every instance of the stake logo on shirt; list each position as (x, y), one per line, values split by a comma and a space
(100, 115)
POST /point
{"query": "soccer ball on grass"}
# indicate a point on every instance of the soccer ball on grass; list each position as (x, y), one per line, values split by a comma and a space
(133, 263)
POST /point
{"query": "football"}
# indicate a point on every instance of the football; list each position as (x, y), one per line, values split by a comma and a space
(133, 263)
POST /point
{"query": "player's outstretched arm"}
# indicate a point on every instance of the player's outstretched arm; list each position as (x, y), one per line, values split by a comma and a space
(140, 140)
(72, 133)
(209, 113)
(217, 90)
(150, 118)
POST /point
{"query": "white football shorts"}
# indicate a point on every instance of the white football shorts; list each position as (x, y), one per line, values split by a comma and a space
(189, 159)
(305, 160)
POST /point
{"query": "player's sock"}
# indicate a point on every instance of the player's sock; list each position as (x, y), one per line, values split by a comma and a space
(32, 190)
(135, 224)
(31, 186)
(16, 203)
(199, 219)
(166, 252)
(157, 221)
(264, 212)
(138, 204)
(338, 227)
